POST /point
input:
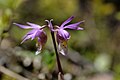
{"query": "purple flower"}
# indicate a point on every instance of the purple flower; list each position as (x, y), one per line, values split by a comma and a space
(37, 31)
(62, 35)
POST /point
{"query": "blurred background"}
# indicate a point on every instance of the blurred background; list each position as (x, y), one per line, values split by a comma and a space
(94, 53)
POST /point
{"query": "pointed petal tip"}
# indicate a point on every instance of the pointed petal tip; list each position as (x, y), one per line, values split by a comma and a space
(14, 23)
(51, 19)
(80, 22)
(80, 28)
(83, 21)
(72, 16)
(48, 20)
(28, 23)
(22, 42)
(43, 26)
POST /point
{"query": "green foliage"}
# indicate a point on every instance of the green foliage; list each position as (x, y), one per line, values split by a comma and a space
(12, 4)
(5, 17)
(58, 10)
(117, 16)
(6, 13)
(49, 59)
(117, 71)
(100, 9)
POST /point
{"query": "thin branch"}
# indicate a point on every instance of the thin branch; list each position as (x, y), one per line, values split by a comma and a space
(11, 73)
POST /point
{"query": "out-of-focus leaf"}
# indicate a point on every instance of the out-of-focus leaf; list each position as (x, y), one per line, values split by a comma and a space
(5, 18)
(58, 10)
(117, 16)
(117, 69)
(13, 4)
(101, 9)
(49, 59)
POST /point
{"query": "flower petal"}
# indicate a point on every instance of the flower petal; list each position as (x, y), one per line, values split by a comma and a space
(39, 47)
(42, 39)
(26, 38)
(63, 34)
(33, 25)
(34, 34)
(66, 22)
(74, 26)
(29, 33)
(23, 26)
(62, 47)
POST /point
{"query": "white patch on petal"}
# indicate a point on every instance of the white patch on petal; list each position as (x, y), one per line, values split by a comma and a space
(39, 48)
(62, 52)
(62, 48)
(37, 52)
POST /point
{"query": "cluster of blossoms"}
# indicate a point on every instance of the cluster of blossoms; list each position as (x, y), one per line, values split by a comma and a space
(62, 36)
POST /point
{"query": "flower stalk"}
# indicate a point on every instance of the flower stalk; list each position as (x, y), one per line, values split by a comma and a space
(56, 52)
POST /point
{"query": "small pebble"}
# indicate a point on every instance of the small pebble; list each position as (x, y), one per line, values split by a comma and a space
(27, 62)
(37, 62)
(41, 76)
(67, 76)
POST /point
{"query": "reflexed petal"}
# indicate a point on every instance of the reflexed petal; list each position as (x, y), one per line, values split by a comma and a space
(66, 22)
(29, 33)
(23, 26)
(26, 38)
(34, 35)
(74, 26)
(33, 25)
(63, 34)
(38, 33)
(79, 28)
